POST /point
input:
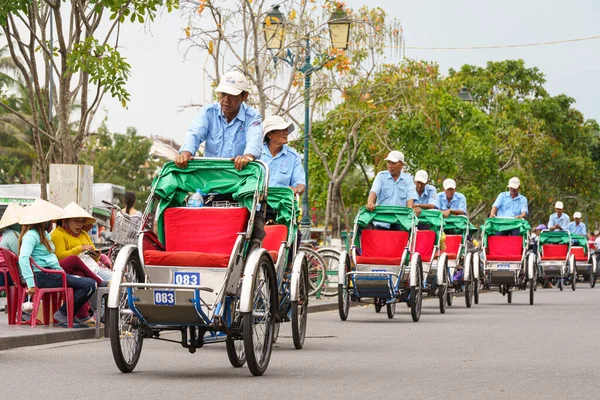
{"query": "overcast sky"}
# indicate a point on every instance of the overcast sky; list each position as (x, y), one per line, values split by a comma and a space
(162, 82)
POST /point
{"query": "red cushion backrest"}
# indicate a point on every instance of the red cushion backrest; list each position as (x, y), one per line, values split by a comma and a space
(424, 245)
(208, 229)
(579, 253)
(505, 245)
(453, 242)
(555, 250)
(275, 234)
(383, 243)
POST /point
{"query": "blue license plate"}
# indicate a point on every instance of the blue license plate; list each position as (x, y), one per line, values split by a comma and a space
(186, 278)
(503, 266)
(379, 270)
(164, 297)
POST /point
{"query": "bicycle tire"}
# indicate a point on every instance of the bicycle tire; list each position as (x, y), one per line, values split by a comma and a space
(316, 269)
(331, 257)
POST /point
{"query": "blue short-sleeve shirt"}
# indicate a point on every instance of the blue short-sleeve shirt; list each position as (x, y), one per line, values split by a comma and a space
(285, 169)
(428, 196)
(243, 135)
(394, 193)
(563, 221)
(509, 207)
(577, 229)
(458, 202)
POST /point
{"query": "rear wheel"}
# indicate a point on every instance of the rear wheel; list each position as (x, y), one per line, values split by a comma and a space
(449, 299)
(593, 273)
(391, 310)
(331, 259)
(531, 290)
(560, 284)
(377, 306)
(259, 323)
(469, 294)
(442, 297)
(316, 270)
(476, 291)
(126, 338)
(300, 309)
(573, 270)
(416, 292)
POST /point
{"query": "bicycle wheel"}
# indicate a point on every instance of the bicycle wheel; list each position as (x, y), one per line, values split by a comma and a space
(332, 264)
(316, 270)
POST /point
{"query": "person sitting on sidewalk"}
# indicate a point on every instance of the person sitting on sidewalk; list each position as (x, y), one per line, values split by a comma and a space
(10, 229)
(35, 242)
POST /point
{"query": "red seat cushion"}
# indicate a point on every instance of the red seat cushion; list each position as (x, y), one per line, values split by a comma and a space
(579, 253)
(505, 248)
(383, 243)
(553, 252)
(186, 259)
(379, 260)
(207, 230)
(453, 242)
(425, 241)
(275, 234)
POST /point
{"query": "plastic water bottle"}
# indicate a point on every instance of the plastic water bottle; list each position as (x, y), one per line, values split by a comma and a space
(94, 233)
(196, 200)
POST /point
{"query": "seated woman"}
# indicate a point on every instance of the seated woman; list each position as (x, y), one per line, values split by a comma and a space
(71, 239)
(9, 229)
(35, 242)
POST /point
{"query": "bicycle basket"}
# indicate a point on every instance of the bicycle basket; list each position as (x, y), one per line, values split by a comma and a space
(126, 230)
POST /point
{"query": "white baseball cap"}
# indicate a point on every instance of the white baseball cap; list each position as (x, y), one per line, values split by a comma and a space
(232, 83)
(514, 183)
(559, 205)
(395, 156)
(577, 215)
(276, 123)
(449, 184)
(421, 176)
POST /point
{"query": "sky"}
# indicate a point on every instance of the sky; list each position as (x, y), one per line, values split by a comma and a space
(164, 79)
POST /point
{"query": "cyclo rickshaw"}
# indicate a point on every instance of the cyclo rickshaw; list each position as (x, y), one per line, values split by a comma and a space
(463, 258)
(437, 276)
(291, 265)
(508, 265)
(585, 259)
(383, 266)
(194, 271)
(555, 258)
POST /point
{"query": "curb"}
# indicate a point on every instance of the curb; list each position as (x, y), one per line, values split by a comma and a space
(37, 339)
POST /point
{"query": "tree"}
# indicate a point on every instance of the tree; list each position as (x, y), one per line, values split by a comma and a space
(79, 66)
(121, 159)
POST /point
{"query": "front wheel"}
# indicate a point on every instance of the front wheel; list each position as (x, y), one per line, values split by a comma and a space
(593, 273)
(235, 352)
(449, 299)
(126, 337)
(573, 269)
(476, 291)
(300, 309)
(416, 292)
(531, 290)
(509, 296)
(469, 294)
(259, 323)
(391, 310)
(442, 297)
(560, 284)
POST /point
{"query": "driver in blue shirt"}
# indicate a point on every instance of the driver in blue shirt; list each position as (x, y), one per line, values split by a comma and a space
(577, 227)
(558, 220)
(229, 128)
(510, 204)
(450, 201)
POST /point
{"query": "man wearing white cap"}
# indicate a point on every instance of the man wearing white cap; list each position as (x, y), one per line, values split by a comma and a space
(577, 227)
(558, 220)
(450, 201)
(511, 203)
(392, 187)
(285, 165)
(229, 127)
(425, 193)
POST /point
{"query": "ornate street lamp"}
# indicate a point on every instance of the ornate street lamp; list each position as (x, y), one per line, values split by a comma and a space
(464, 95)
(274, 29)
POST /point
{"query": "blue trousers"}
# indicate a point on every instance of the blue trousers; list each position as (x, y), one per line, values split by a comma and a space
(83, 288)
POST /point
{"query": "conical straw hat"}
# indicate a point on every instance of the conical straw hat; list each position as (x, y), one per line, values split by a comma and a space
(11, 215)
(40, 211)
(74, 210)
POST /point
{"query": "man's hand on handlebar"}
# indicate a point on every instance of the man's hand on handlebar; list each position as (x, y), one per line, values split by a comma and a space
(181, 160)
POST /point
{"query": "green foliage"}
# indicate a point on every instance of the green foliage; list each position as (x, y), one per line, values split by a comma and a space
(11, 6)
(121, 159)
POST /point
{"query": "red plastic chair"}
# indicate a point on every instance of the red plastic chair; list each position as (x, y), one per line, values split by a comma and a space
(6, 288)
(54, 295)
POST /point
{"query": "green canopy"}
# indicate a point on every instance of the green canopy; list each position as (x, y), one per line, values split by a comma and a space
(458, 225)
(173, 184)
(496, 225)
(402, 216)
(555, 237)
(436, 219)
(283, 200)
(579, 240)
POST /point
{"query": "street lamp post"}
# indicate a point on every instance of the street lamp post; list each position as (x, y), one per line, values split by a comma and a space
(274, 29)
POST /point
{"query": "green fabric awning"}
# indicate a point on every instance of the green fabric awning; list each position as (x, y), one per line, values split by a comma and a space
(456, 224)
(555, 237)
(496, 225)
(436, 219)
(579, 240)
(402, 216)
(283, 200)
(173, 184)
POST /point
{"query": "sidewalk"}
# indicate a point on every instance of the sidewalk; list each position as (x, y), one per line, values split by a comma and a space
(12, 336)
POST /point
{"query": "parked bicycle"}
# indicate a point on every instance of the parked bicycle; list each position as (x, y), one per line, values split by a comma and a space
(125, 231)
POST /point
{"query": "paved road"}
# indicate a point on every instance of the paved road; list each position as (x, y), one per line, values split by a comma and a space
(493, 350)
